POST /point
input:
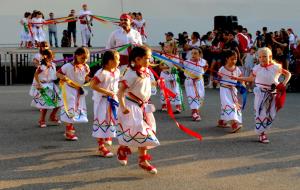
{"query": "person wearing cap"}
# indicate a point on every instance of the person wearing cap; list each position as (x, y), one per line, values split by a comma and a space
(125, 34)
(85, 25)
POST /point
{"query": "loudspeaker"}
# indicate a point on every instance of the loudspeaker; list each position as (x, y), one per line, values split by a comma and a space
(223, 23)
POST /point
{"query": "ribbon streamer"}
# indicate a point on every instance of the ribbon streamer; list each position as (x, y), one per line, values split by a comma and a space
(113, 104)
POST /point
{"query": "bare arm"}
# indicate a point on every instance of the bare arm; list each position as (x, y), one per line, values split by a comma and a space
(121, 98)
(287, 76)
(94, 86)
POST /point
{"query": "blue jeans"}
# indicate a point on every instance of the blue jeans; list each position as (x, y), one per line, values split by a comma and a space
(55, 38)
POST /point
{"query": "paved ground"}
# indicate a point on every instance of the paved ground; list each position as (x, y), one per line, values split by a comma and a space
(34, 158)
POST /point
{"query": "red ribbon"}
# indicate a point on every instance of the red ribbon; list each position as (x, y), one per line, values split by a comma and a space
(168, 93)
(280, 96)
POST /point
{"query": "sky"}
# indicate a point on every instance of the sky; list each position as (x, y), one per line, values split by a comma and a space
(161, 15)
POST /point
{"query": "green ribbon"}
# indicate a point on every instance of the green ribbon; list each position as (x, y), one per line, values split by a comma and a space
(47, 99)
(26, 27)
(108, 18)
(92, 64)
(175, 72)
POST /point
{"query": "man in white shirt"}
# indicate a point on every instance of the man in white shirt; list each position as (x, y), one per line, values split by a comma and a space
(122, 36)
(85, 24)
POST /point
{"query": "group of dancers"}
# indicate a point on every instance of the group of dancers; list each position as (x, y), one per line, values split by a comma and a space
(121, 94)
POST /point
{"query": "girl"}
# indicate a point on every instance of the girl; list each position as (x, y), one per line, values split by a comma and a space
(137, 127)
(194, 84)
(46, 94)
(38, 31)
(25, 34)
(265, 75)
(230, 108)
(73, 76)
(194, 43)
(105, 86)
(36, 62)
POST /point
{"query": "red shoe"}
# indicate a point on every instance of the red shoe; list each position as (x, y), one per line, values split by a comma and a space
(164, 107)
(70, 133)
(178, 109)
(108, 141)
(122, 154)
(149, 168)
(104, 152)
(196, 117)
(42, 124)
(235, 127)
(55, 120)
(222, 124)
(263, 138)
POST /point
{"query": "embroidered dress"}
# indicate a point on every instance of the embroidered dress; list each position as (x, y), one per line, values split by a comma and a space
(49, 97)
(138, 127)
(104, 121)
(194, 85)
(230, 107)
(172, 84)
(25, 35)
(37, 29)
(264, 101)
(74, 108)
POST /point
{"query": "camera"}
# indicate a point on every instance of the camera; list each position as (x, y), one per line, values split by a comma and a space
(162, 44)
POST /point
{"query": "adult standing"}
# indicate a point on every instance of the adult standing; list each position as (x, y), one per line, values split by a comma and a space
(72, 27)
(85, 25)
(122, 36)
(52, 29)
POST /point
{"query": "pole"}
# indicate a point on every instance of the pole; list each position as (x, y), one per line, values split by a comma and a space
(122, 7)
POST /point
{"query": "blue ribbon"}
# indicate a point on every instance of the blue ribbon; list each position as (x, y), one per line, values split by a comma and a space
(113, 104)
(242, 90)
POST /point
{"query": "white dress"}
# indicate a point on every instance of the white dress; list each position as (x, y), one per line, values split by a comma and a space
(194, 87)
(74, 111)
(52, 96)
(138, 127)
(264, 101)
(104, 121)
(230, 107)
(38, 31)
(25, 34)
(172, 84)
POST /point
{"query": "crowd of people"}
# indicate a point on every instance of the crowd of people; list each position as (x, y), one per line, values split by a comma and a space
(126, 80)
(35, 24)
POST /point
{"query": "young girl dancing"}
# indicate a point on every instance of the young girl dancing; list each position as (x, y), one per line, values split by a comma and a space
(105, 86)
(46, 94)
(73, 76)
(137, 127)
(266, 75)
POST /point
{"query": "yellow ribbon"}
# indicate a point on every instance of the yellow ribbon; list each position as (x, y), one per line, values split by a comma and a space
(73, 84)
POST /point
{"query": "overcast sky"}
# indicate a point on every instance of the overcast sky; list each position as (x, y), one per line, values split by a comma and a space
(161, 15)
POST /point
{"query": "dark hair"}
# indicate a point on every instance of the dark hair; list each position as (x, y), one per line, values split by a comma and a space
(199, 50)
(43, 44)
(228, 54)
(81, 51)
(107, 56)
(48, 54)
(139, 51)
(139, 13)
(27, 14)
(196, 34)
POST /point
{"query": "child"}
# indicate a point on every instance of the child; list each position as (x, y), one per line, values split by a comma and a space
(46, 94)
(266, 76)
(36, 63)
(37, 27)
(105, 86)
(250, 61)
(170, 75)
(230, 108)
(137, 127)
(25, 34)
(194, 84)
(73, 76)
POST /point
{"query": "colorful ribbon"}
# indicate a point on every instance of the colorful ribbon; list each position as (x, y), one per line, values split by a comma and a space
(113, 104)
